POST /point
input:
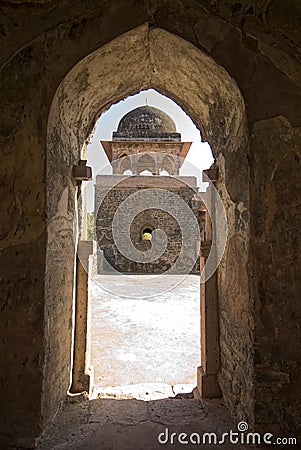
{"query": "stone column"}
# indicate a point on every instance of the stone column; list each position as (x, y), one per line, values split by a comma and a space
(82, 372)
(177, 165)
(207, 382)
(134, 161)
(158, 163)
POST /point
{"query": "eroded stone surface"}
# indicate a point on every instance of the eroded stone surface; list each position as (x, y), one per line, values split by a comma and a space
(133, 424)
(276, 248)
(168, 412)
(124, 411)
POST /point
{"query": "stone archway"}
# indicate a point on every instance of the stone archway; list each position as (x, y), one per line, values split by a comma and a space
(154, 59)
(146, 162)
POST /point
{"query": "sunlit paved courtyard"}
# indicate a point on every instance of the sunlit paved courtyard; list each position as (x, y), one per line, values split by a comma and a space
(145, 339)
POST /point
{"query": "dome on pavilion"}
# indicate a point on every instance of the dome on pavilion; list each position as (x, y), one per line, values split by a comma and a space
(147, 123)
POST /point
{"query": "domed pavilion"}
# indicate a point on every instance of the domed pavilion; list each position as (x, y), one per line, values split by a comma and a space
(146, 143)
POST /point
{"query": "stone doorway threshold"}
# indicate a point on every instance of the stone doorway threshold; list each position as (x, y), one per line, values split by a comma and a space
(146, 391)
(115, 423)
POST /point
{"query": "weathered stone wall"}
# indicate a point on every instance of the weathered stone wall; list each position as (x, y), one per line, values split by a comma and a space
(252, 45)
(276, 191)
(236, 377)
(108, 200)
(38, 48)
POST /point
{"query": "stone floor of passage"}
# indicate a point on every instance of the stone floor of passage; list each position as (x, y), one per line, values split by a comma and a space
(145, 351)
(131, 424)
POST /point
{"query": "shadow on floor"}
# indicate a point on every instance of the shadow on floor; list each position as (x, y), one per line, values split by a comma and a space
(131, 424)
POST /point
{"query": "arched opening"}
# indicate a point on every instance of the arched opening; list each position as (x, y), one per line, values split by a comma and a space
(126, 367)
(124, 164)
(213, 101)
(168, 165)
(146, 173)
(146, 165)
(164, 173)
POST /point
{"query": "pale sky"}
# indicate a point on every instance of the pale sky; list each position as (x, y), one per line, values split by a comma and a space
(198, 158)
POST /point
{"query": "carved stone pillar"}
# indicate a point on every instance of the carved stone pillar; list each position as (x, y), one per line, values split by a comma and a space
(210, 351)
(207, 382)
(82, 372)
